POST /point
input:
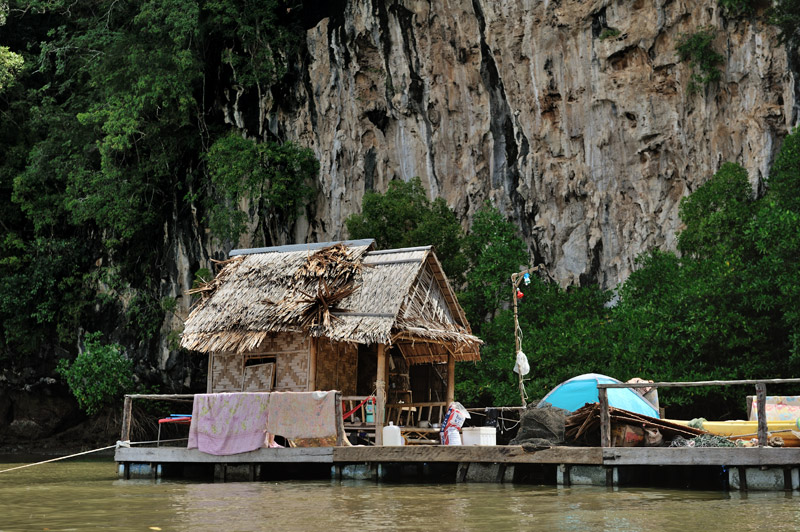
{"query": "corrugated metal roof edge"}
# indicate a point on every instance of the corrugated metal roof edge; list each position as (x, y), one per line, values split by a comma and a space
(301, 247)
(398, 250)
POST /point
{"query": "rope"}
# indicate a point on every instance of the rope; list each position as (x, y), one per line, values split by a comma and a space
(118, 444)
(57, 459)
(350, 413)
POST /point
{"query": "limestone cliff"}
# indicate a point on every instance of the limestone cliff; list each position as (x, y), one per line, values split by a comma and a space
(587, 143)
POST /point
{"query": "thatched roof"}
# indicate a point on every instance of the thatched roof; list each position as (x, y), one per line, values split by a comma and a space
(343, 291)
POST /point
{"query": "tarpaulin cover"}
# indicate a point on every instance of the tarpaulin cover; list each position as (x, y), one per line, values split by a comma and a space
(577, 391)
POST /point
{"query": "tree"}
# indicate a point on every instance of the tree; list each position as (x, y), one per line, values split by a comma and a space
(10, 65)
(786, 15)
(274, 179)
(100, 374)
(495, 252)
(716, 215)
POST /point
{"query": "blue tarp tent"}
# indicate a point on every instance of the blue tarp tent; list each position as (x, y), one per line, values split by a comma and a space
(576, 392)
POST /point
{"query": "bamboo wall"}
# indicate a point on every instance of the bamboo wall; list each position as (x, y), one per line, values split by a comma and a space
(291, 351)
(337, 366)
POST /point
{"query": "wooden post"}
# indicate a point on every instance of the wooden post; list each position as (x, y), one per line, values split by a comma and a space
(210, 378)
(761, 399)
(451, 379)
(605, 419)
(312, 365)
(127, 408)
(380, 397)
(340, 435)
(515, 277)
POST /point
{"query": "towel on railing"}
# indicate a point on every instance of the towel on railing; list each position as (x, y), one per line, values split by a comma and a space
(302, 414)
(229, 423)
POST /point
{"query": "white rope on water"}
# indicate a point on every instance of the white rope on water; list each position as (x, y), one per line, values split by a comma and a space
(118, 444)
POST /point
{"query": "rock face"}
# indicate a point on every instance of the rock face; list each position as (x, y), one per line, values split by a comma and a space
(586, 141)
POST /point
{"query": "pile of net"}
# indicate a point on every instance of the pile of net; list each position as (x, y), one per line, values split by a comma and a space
(541, 427)
(702, 440)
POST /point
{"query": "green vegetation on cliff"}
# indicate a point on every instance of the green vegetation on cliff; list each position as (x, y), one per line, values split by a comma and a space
(112, 140)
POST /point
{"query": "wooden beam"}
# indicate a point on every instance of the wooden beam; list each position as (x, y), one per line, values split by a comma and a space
(451, 379)
(700, 456)
(167, 455)
(695, 383)
(616, 456)
(468, 453)
(163, 396)
(312, 364)
(380, 396)
(398, 261)
(515, 279)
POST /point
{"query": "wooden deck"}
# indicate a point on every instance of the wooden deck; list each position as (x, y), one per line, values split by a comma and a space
(505, 454)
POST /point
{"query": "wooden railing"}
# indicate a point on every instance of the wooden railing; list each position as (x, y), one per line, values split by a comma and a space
(761, 400)
(127, 408)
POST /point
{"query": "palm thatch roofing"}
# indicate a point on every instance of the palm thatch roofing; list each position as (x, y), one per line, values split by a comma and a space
(344, 291)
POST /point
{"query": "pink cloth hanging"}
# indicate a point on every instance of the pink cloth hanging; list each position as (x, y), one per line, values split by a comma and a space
(229, 423)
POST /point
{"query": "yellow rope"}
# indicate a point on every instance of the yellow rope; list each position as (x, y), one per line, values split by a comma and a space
(85, 452)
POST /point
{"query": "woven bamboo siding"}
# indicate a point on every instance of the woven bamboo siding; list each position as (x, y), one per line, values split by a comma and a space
(226, 373)
(337, 366)
(291, 372)
(291, 361)
(259, 378)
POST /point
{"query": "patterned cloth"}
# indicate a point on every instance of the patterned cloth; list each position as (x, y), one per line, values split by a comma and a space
(229, 423)
(302, 414)
(779, 407)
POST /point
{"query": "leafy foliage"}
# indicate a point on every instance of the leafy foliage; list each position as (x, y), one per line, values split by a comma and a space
(696, 48)
(99, 375)
(716, 214)
(104, 137)
(609, 33)
(272, 178)
(785, 14)
(738, 8)
(495, 252)
(10, 65)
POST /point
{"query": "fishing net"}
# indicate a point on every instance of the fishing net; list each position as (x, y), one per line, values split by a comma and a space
(702, 440)
(541, 426)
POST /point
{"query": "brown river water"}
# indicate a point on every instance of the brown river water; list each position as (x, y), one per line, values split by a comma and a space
(86, 495)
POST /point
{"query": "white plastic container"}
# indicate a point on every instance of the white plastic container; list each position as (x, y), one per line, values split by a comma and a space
(451, 437)
(479, 436)
(391, 435)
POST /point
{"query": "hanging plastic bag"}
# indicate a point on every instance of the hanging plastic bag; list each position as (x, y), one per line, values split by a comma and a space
(522, 366)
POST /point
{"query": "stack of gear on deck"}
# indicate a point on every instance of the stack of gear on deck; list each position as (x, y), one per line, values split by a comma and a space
(541, 427)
